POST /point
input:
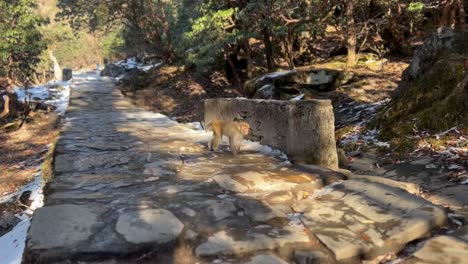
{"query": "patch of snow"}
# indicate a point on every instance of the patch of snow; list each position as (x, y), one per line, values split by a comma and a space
(267, 150)
(295, 219)
(131, 63)
(274, 75)
(325, 190)
(49, 95)
(12, 243)
(382, 144)
(195, 125)
(454, 167)
(297, 98)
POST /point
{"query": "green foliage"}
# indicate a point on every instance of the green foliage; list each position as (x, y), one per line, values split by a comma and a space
(20, 40)
(112, 45)
(416, 7)
(211, 34)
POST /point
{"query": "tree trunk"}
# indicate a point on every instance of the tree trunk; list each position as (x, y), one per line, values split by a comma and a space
(289, 49)
(235, 75)
(6, 105)
(351, 35)
(268, 49)
(461, 8)
(248, 55)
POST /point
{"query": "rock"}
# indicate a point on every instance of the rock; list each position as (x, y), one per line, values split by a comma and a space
(346, 77)
(269, 182)
(72, 225)
(222, 243)
(271, 85)
(443, 249)
(7, 222)
(444, 32)
(424, 161)
(377, 66)
(322, 80)
(342, 159)
(266, 259)
(189, 212)
(410, 187)
(227, 183)
(24, 198)
(310, 256)
(133, 80)
(190, 235)
(354, 218)
(219, 209)
(267, 91)
(276, 79)
(456, 197)
(149, 226)
(73, 162)
(440, 63)
(461, 233)
(113, 70)
(262, 212)
(279, 197)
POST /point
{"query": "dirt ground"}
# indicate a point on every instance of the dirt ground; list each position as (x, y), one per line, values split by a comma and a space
(179, 93)
(21, 151)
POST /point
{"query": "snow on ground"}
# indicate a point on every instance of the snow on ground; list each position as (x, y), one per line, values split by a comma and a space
(12, 243)
(274, 75)
(132, 63)
(56, 93)
(358, 116)
(247, 145)
(297, 98)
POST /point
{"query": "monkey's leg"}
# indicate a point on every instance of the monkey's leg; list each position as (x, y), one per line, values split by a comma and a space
(215, 142)
(234, 144)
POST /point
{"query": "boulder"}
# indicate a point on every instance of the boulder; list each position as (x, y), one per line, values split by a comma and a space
(359, 217)
(376, 65)
(433, 90)
(134, 79)
(322, 80)
(278, 85)
(113, 70)
(276, 79)
(268, 91)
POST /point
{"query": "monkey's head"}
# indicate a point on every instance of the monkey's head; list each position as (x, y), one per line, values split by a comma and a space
(244, 128)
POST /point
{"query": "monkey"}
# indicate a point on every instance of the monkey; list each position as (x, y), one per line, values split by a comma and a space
(234, 130)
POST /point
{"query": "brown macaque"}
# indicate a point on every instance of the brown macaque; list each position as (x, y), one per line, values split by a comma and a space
(234, 130)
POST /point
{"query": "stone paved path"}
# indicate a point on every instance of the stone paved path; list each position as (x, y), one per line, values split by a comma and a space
(133, 186)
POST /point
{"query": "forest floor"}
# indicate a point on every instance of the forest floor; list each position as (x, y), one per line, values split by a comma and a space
(23, 153)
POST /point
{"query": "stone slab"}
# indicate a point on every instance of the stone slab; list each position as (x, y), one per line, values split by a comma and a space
(149, 226)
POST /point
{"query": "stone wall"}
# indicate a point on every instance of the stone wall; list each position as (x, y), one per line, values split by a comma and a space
(304, 130)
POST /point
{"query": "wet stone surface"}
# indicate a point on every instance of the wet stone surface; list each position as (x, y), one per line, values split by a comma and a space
(134, 186)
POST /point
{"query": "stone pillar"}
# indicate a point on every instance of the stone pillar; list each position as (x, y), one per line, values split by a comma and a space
(304, 130)
(67, 74)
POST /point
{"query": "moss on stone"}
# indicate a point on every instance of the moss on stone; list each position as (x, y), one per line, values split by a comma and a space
(434, 102)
